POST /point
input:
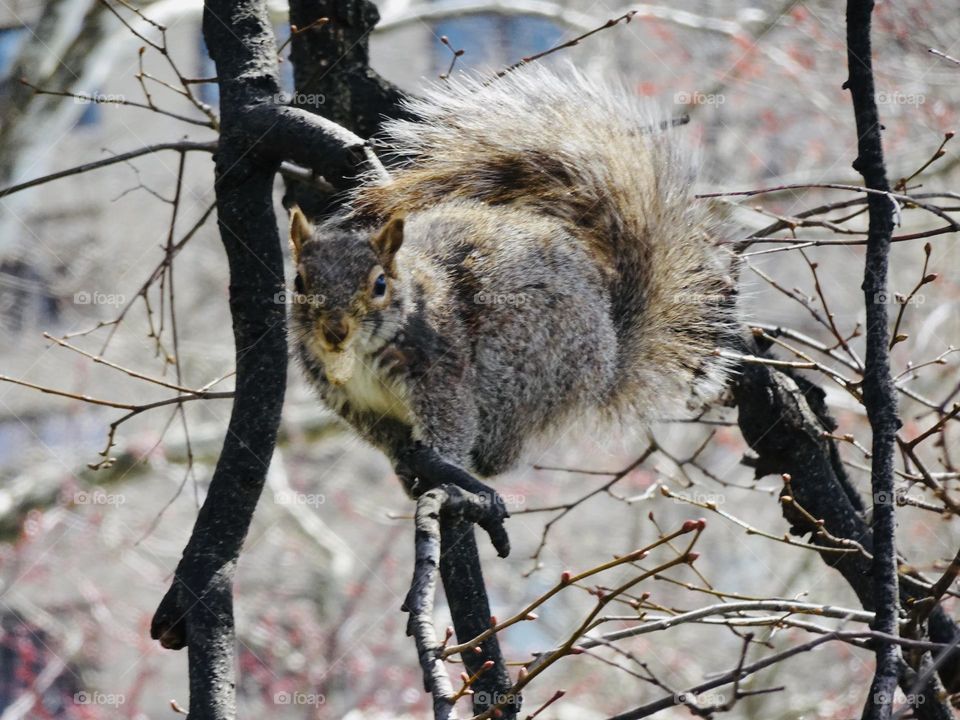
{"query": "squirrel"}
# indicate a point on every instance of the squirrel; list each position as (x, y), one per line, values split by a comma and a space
(535, 256)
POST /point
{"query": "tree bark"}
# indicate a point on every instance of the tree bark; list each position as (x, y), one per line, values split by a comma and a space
(330, 55)
(783, 418)
(878, 392)
(257, 133)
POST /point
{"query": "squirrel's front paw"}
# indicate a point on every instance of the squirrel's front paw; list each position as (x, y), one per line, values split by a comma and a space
(493, 510)
(430, 471)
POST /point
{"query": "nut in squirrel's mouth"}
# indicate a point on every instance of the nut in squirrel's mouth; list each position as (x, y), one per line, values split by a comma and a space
(339, 365)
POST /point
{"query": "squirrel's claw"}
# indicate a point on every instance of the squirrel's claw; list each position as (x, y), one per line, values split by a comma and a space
(495, 512)
(494, 526)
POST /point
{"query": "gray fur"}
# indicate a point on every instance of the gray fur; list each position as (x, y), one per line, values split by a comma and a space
(553, 265)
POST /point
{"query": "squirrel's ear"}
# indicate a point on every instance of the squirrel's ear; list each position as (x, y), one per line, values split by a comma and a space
(300, 231)
(388, 241)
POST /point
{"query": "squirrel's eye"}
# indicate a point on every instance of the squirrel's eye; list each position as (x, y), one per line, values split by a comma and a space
(298, 284)
(380, 286)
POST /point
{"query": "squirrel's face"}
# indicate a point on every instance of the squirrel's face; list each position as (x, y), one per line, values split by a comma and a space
(346, 296)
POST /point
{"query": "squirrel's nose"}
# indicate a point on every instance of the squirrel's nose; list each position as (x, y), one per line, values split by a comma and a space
(335, 329)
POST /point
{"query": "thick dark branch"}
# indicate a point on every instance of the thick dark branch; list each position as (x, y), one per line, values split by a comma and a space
(331, 65)
(466, 594)
(466, 501)
(198, 609)
(286, 134)
(785, 421)
(878, 391)
(331, 69)
(289, 133)
(445, 542)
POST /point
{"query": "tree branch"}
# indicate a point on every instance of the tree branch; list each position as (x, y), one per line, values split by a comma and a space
(419, 602)
(784, 420)
(180, 145)
(445, 542)
(879, 396)
(197, 611)
(742, 671)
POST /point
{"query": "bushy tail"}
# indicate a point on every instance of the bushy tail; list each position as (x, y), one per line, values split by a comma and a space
(596, 157)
